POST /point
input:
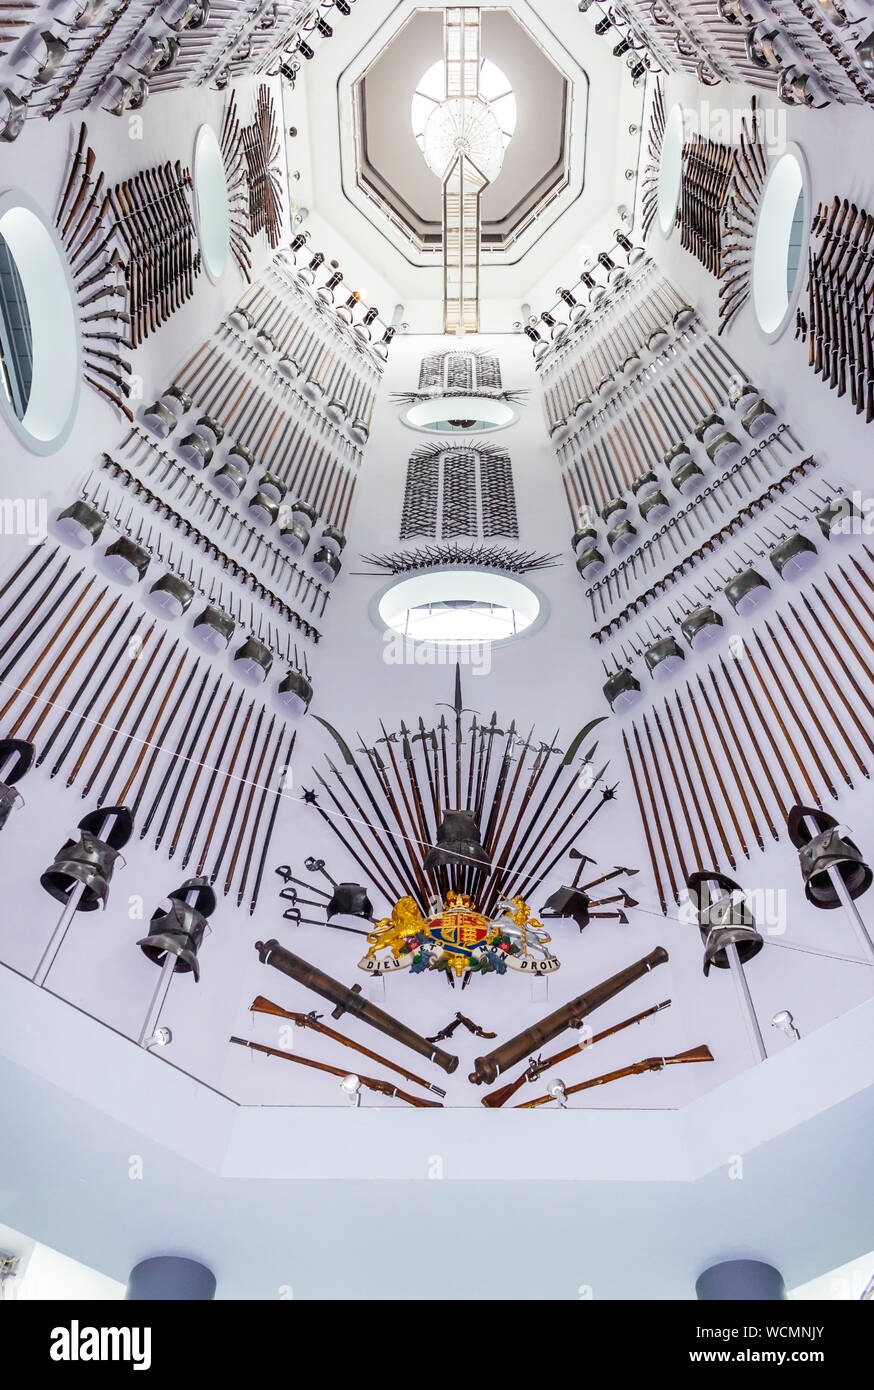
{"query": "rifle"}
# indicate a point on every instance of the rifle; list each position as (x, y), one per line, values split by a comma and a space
(385, 1088)
(313, 1021)
(350, 1001)
(539, 1065)
(487, 1069)
(695, 1054)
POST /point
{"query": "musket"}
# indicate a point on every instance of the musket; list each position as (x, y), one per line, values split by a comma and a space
(313, 1021)
(351, 1001)
(268, 783)
(78, 156)
(487, 1069)
(538, 1065)
(695, 1054)
(384, 1088)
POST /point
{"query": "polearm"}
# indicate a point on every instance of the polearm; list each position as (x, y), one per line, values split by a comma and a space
(94, 668)
(379, 768)
(681, 788)
(147, 743)
(705, 783)
(537, 1066)
(253, 787)
(242, 782)
(57, 633)
(766, 768)
(268, 783)
(801, 762)
(487, 1069)
(14, 578)
(743, 758)
(695, 1054)
(313, 1021)
(769, 733)
(100, 722)
(174, 757)
(385, 1088)
(36, 695)
(811, 675)
(738, 780)
(375, 870)
(351, 1001)
(644, 820)
(205, 800)
(33, 610)
(189, 796)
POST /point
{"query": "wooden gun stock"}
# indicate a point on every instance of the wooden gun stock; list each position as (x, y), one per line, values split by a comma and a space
(385, 1088)
(695, 1054)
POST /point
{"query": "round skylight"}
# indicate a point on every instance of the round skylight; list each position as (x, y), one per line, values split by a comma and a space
(480, 127)
(779, 238)
(671, 169)
(212, 208)
(459, 607)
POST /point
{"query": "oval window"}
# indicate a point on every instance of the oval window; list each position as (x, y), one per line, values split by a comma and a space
(671, 169)
(779, 243)
(211, 204)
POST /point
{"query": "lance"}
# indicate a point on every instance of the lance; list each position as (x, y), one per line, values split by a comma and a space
(538, 1065)
(270, 824)
(313, 1021)
(89, 676)
(201, 763)
(385, 1088)
(33, 610)
(695, 1054)
(739, 782)
(242, 782)
(822, 696)
(146, 743)
(808, 740)
(254, 786)
(104, 715)
(349, 760)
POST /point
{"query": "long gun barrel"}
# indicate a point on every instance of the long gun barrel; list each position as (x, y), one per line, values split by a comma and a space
(370, 1083)
(695, 1054)
(488, 1068)
(350, 1001)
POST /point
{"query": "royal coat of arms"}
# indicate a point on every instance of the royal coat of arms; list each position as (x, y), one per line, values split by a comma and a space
(459, 940)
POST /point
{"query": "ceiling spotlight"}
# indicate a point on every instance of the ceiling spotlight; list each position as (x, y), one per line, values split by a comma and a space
(558, 1093)
(786, 1024)
(351, 1087)
(161, 1037)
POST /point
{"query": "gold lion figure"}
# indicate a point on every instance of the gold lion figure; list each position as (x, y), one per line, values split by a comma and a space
(392, 932)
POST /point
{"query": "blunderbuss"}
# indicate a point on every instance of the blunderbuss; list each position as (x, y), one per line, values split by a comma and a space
(732, 746)
(229, 567)
(661, 587)
(216, 515)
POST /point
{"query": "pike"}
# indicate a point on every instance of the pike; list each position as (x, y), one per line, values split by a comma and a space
(781, 806)
(89, 676)
(201, 762)
(677, 786)
(36, 696)
(207, 796)
(177, 753)
(217, 809)
(538, 1065)
(808, 740)
(743, 757)
(57, 633)
(103, 716)
(739, 781)
(382, 776)
(656, 817)
(14, 578)
(351, 1001)
(822, 696)
(374, 870)
(361, 812)
(606, 795)
(349, 760)
(839, 659)
(35, 607)
(242, 782)
(385, 1088)
(313, 1021)
(704, 782)
(695, 1054)
(720, 781)
(487, 1069)
(253, 787)
(666, 801)
(270, 824)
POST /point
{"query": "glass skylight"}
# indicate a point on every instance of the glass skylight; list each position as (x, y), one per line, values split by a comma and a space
(459, 606)
(494, 89)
